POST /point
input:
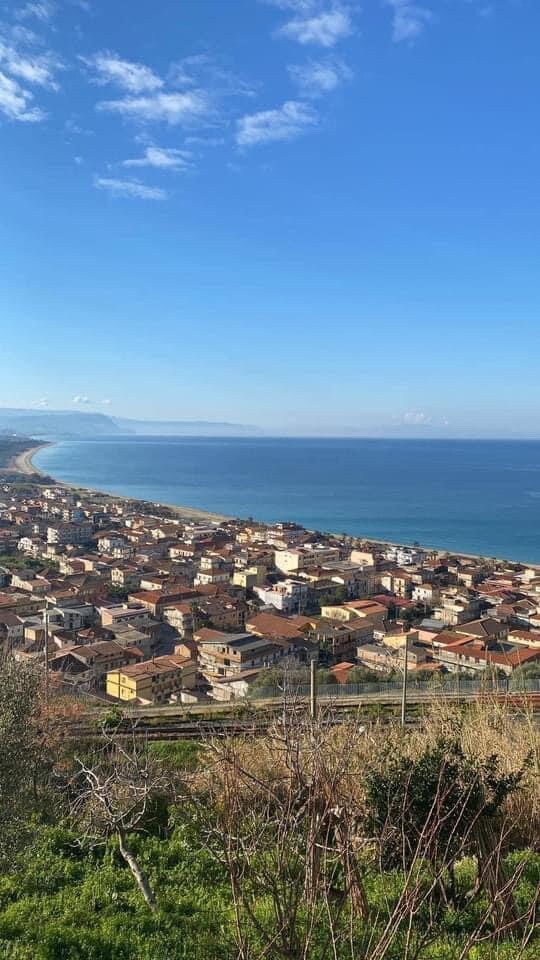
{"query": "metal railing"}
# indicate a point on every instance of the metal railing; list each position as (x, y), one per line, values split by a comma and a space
(429, 688)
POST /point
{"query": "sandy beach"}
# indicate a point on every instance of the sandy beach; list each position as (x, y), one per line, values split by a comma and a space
(22, 462)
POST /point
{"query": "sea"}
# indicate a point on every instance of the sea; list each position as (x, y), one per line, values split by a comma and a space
(480, 497)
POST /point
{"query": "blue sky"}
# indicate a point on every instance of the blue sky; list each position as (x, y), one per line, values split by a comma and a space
(311, 215)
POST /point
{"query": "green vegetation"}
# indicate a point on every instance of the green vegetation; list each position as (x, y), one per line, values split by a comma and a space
(309, 843)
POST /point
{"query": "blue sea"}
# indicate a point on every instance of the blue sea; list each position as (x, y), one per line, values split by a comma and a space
(474, 496)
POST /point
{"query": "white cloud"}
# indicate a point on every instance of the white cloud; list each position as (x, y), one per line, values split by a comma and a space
(37, 69)
(129, 188)
(416, 418)
(172, 108)
(40, 9)
(106, 402)
(299, 6)
(320, 76)
(284, 123)
(15, 101)
(408, 19)
(134, 77)
(79, 399)
(42, 402)
(165, 158)
(203, 71)
(323, 29)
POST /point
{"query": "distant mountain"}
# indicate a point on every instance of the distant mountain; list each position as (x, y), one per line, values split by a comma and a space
(56, 424)
(185, 428)
(73, 424)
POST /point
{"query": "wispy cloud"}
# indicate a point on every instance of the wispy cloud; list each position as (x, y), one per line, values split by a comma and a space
(298, 6)
(171, 108)
(38, 69)
(284, 123)
(15, 101)
(164, 158)
(40, 9)
(109, 68)
(414, 418)
(205, 72)
(409, 19)
(320, 76)
(129, 188)
(82, 400)
(323, 29)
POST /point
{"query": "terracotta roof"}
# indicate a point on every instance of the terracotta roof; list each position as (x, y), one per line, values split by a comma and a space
(272, 625)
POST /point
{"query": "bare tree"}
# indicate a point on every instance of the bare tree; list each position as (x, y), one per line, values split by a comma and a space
(288, 817)
(113, 797)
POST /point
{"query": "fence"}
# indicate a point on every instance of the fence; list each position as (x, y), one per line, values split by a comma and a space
(428, 688)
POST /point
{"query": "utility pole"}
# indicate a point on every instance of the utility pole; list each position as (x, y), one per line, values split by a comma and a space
(313, 690)
(46, 625)
(405, 675)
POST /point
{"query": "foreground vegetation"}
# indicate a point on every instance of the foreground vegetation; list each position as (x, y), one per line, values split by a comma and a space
(315, 842)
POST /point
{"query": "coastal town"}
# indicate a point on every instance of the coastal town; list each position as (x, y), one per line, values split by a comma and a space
(134, 603)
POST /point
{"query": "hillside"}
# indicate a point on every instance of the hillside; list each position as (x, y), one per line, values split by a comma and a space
(73, 424)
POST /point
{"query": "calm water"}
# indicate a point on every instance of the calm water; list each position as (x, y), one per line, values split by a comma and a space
(475, 496)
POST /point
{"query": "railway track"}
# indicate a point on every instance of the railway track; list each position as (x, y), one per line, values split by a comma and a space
(152, 726)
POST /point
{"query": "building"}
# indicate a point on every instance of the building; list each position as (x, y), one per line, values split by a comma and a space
(64, 533)
(134, 613)
(229, 654)
(291, 561)
(94, 660)
(153, 681)
(250, 577)
(287, 596)
(354, 609)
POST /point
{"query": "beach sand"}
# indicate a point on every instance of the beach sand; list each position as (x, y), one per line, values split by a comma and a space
(22, 462)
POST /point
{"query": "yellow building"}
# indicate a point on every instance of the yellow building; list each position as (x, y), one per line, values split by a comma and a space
(354, 609)
(250, 577)
(153, 681)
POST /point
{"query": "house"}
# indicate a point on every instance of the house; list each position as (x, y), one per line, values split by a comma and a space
(222, 612)
(376, 657)
(136, 614)
(228, 654)
(476, 656)
(153, 681)
(287, 596)
(155, 601)
(309, 555)
(63, 533)
(95, 660)
(126, 576)
(486, 629)
(236, 686)
(354, 609)
(180, 617)
(250, 577)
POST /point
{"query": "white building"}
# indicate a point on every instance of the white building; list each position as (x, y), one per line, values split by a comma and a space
(311, 555)
(287, 596)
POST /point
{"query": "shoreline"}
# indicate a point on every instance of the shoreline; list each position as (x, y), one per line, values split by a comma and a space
(23, 463)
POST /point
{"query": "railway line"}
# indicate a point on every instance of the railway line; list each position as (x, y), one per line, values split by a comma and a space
(172, 722)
